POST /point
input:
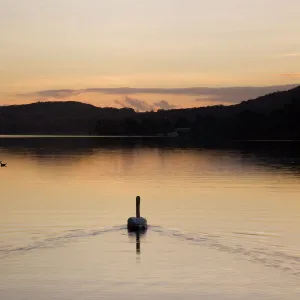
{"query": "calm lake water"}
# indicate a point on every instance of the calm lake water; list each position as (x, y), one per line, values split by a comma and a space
(224, 222)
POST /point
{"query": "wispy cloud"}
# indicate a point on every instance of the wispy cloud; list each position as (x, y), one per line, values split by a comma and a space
(211, 94)
(44, 94)
(142, 105)
(136, 104)
(163, 104)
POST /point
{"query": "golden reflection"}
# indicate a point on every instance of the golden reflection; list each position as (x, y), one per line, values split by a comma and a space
(75, 188)
(90, 176)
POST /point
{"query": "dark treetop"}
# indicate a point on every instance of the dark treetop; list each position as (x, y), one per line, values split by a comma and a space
(273, 116)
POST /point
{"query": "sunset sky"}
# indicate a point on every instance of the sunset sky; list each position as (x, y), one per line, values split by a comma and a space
(148, 53)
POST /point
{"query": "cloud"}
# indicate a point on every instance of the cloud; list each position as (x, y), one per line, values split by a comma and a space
(214, 94)
(64, 93)
(121, 103)
(136, 104)
(239, 94)
(142, 105)
(163, 104)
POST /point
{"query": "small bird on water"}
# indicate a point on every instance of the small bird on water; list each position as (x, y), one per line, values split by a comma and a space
(2, 164)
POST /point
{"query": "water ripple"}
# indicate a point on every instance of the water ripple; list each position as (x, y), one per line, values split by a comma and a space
(274, 259)
(58, 240)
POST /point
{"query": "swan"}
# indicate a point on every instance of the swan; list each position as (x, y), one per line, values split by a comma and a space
(138, 222)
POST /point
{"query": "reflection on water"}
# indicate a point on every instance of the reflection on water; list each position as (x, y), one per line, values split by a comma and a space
(137, 235)
(223, 221)
(270, 154)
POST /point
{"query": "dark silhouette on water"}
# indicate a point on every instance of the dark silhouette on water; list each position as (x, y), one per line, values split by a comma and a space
(2, 164)
(137, 234)
(138, 246)
(137, 223)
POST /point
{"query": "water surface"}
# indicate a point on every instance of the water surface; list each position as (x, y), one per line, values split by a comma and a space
(224, 222)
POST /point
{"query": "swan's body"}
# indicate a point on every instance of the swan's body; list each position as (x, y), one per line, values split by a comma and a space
(134, 224)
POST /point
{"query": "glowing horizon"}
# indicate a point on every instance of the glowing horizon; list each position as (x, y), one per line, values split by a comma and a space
(93, 44)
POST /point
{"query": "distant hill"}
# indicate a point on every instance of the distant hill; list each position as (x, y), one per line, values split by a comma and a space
(272, 116)
(263, 104)
(60, 117)
(271, 102)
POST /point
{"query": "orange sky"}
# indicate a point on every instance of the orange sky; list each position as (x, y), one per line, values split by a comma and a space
(90, 44)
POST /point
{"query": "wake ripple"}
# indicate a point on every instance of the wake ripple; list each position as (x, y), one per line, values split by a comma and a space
(272, 259)
(56, 241)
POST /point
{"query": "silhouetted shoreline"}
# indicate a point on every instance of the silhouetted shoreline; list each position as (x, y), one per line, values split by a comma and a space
(271, 117)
